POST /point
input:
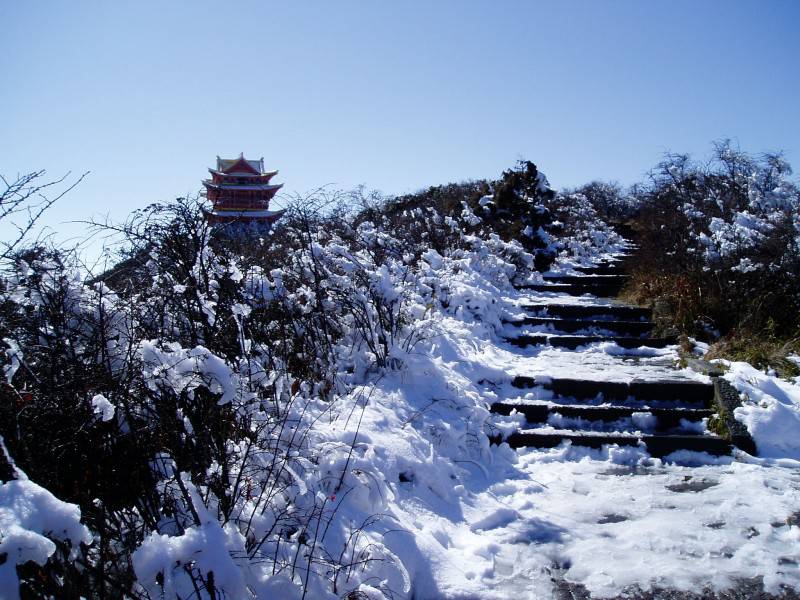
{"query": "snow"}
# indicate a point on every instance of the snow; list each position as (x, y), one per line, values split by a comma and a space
(607, 517)
(493, 523)
(185, 370)
(417, 502)
(471, 520)
(624, 520)
(493, 527)
(211, 547)
(443, 514)
(14, 359)
(30, 519)
(770, 410)
(103, 408)
(598, 362)
(433, 258)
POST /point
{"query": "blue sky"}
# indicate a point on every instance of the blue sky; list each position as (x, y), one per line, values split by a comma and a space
(393, 95)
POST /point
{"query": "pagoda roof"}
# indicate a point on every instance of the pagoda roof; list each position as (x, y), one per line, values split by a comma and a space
(262, 174)
(240, 165)
(264, 187)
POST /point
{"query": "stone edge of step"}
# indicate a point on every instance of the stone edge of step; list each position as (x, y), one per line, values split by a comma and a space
(657, 445)
(505, 408)
(574, 341)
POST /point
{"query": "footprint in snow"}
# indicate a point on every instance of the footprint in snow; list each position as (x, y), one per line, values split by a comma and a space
(442, 538)
(538, 531)
(611, 518)
(498, 518)
(692, 485)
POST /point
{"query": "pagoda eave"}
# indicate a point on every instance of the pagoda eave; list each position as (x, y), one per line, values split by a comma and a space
(264, 174)
(234, 187)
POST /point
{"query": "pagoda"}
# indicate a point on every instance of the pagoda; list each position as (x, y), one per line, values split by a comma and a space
(240, 191)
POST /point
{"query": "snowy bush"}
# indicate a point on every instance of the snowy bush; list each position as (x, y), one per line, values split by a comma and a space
(202, 401)
(721, 241)
(610, 202)
(579, 231)
(36, 530)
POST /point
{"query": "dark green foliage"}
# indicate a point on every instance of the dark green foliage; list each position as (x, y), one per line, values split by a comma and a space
(520, 210)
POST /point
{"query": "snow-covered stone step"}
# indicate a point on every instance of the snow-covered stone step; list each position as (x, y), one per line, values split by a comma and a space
(687, 391)
(602, 280)
(665, 418)
(575, 289)
(590, 311)
(615, 268)
(543, 396)
(657, 445)
(618, 328)
(576, 341)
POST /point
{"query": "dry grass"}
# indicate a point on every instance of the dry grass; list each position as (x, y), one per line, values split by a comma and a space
(681, 307)
(760, 350)
(678, 304)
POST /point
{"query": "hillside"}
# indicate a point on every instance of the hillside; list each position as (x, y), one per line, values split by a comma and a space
(337, 408)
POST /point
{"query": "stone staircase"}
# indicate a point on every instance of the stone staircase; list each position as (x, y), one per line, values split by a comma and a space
(665, 414)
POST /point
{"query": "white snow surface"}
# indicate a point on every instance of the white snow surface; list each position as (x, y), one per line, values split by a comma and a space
(464, 519)
(424, 508)
(479, 521)
(30, 519)
(770, 410)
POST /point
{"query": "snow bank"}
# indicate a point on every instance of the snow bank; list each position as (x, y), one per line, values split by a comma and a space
(770, 410)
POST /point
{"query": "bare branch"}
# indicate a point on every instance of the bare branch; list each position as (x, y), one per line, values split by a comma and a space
(24, 201)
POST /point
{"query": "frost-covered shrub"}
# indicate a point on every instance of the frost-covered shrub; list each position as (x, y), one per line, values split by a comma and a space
(518, 210)
(611, 203)
(437, 213)
(40, 535)
(178, 399)
(578, 230)
(728, 234)
(513, 208)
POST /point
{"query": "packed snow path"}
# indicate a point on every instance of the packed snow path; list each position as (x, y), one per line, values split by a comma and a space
(615, 487)
(666, 412)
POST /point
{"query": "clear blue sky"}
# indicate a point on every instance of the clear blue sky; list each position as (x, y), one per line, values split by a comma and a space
(394, 95)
